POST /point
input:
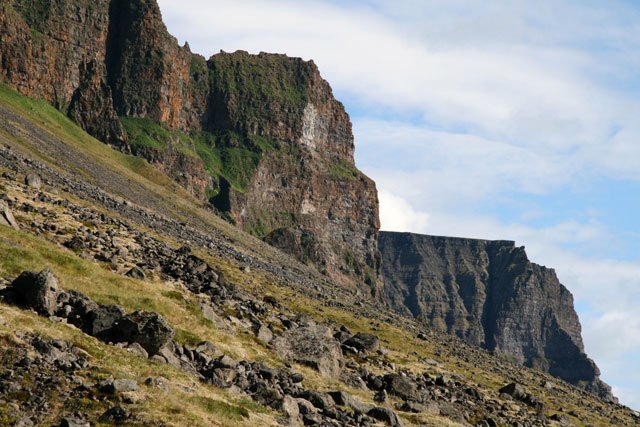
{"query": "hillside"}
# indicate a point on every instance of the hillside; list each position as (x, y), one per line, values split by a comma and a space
(237, 308)
(188, 241)
(260, 138)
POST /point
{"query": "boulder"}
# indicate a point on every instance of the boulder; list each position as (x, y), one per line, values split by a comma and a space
(518, 392)
(291, 410)
(385, 415)
(76, 244)
(400, 386)
(150, 330)
(111, 386)
(6, 216)
(115, 415)
(264, 334)
(101, 321)
(514, 390)
(345, 399)
(363, 342)
(76, 308)
(38, 291)
(312, 345)
(33, 180)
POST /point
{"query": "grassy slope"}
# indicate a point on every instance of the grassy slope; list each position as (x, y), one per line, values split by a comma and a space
(22, 251)
(145, 182)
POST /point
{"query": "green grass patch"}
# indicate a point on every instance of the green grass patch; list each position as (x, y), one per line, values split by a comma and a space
(219, 408)
(187, 337)
(227, 155)
(344, 170)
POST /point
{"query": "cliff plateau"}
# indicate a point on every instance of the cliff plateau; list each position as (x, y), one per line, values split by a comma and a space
(489, 294)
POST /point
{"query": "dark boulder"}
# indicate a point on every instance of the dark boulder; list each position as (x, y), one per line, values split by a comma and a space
(115, 415)
(518, 392)
(150, 330)
(76, 244)
(345, 399)
(111, 386)
(366, 343)
(400, 386)
(515, 390)
(75, 307)
(101, 321)
(385, 415)
(135, 273)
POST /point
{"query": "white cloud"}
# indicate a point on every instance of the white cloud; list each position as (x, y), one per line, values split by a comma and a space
(398, 215)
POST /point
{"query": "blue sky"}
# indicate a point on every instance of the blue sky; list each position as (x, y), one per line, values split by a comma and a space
(510, 120)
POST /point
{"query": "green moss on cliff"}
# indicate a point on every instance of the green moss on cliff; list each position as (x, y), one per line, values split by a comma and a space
(344, 170)
(35, 13)
(263, 77)
(227, 155)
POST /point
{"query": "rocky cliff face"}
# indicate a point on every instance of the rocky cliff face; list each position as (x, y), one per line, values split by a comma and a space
(260, 136)
(491, 295)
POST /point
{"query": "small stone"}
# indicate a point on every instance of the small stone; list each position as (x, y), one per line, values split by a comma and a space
(157, 382)
(74, 421)
(116, 415)
(135, 273)
(33, 180)
(264, 334)
(136, 348)
(6, 216)
(76, 244)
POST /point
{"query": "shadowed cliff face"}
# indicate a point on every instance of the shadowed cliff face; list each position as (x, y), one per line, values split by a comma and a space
(489, 294)
(259, 136)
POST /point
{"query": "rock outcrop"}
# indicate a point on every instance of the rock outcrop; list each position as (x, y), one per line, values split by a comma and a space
(489, 294)
(260, 136)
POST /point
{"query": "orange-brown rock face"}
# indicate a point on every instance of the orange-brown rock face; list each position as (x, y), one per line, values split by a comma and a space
(306, 196)
(149, 73)
(261, 135)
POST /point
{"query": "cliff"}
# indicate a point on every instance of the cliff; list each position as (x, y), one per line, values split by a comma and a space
(260, 137)
(489, 294)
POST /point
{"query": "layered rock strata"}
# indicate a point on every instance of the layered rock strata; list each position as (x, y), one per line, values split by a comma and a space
(489, 294)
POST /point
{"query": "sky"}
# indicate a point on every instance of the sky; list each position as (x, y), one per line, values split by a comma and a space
(497, 120)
